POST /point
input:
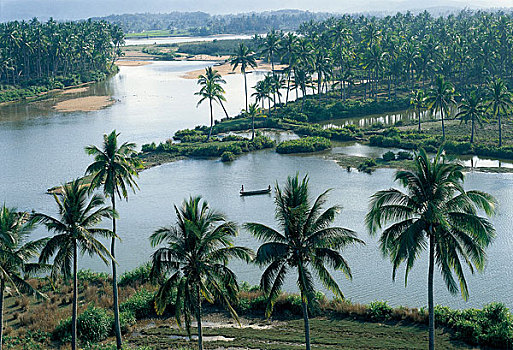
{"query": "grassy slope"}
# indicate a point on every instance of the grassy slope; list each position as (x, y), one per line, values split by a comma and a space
(326, 333)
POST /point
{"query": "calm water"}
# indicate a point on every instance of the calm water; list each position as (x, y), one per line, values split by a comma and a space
(184, 39)
(41, 148)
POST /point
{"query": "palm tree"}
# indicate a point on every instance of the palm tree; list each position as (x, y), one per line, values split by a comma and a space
(244, 58)
(473, 109)
(499, 101)
(437, 214)
(211, 90)
(212, 75)
(252, 113)
(194, 262)
(75, 229)
(114, 169)
(15, 255)
(307, 241)
(418, 103)
(441, 98)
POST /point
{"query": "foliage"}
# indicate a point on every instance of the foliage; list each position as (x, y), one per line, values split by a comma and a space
(214, 47)
(388, 156)
(92, 277)
(227, 156)
(304, 145)
(379, 311)
(367, 166)
(140, 304)
(138, 276)
(93, 325)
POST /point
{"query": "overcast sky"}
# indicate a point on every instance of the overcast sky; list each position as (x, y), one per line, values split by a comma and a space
(75, 9)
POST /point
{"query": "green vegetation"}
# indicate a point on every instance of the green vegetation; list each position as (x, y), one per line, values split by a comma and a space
(307, 242)
(194, 262)
(214, 47)
(304, 145)
(114, 171)
(437, 214)
(212, 91)
(38, 57)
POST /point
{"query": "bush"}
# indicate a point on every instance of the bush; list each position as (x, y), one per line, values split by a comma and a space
(93, 325)
(140, 304)
(126, 320)
(402, 155)
(304, 145)
(227, 157)
(92, 277)
(367, 166)
(389, 156)
(379, 311)
(139, 275)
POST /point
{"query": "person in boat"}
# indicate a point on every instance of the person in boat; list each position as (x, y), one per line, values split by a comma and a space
(242, 188)
(269, 188)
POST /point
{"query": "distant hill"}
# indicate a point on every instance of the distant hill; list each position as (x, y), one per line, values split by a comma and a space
(81, 9)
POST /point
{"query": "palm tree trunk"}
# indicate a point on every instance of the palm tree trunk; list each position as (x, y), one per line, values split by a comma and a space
(472, 132)
(246, 88)
(2, 289)
(500, 131)
(418, 115)
(75, 299)
(115, 302)
(307, 322)
(224, 109)
(212, 120)
(198, 319)
(443, 125)
(288, 89)
(431, 306)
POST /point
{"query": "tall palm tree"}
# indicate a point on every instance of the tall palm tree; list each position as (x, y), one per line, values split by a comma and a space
(244, 58)
(211, 90)
(472, 109)
(114, 170)
(75, 229)
(194, 262)
(500, 102)
(418, 103)
(212, 75)
(307, 241)
(252, 113)
(16, 252)
(437, 214)
(441, 98)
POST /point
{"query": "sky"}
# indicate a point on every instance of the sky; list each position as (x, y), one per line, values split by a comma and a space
(77, 9)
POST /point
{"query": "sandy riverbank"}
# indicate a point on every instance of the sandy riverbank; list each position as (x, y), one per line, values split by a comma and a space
(84, 104)
(226, 69)
(132, 63)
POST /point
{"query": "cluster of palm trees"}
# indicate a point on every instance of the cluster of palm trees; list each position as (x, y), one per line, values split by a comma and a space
(191, 261)
(34, 50)
(476, 105)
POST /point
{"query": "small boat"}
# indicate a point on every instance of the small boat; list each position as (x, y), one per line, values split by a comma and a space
(254, 193)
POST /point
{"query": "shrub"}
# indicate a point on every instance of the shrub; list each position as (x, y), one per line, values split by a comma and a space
(367, 166)
(93, 325)
(141, 304)
(389, 156)
(402, 155)
(92, 277)
(227, 156)
(126, 320)
(379, 311)
(304, 145)
(139, 275)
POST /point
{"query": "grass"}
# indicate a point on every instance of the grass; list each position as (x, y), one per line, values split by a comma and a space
(326, 333)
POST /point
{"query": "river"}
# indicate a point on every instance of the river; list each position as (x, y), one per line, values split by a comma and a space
(42, 148)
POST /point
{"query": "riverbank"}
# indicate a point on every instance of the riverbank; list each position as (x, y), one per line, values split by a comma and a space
(334, 324)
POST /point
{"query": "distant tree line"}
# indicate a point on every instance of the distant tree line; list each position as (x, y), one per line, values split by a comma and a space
(32, 52)
(200, 23)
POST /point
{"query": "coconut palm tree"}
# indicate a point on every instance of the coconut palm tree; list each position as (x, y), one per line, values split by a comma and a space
(75, 229)
(306, 242)
(244, 58)
(212, 75)
(500, 102)
(418, 103)
(440, 99)
(211, 90)
(194, 262)
(437, 214)
(472, 109)
(114, 170)
(16, 253)
(253, 112)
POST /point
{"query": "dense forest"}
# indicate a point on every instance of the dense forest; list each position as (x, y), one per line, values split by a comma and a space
(200, 23)
(56, 53)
